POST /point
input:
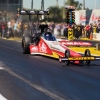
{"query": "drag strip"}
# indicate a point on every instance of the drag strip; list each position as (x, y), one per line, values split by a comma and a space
(27, 77)
(37, 87)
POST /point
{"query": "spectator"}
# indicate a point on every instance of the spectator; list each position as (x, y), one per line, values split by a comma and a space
(3, 30)
(87, 31)
(65, 30)
(98, 28)
(77, 31)
(91, 27)
(95, 28)
(15, 28)
(83, 32)
(10, 28)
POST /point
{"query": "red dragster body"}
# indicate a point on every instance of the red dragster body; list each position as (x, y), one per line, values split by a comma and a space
(51, 48)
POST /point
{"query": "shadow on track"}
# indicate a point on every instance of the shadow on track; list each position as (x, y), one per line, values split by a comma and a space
(70, 65)
(80, 65)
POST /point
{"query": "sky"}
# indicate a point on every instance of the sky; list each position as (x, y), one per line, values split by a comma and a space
(91, 4)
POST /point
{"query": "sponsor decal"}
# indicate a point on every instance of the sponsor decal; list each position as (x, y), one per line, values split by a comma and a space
(81, 58)
(76, 43)
(34, 49)
(87, 18)
(43, 48)
(83, 18)
(95, 18)
(70, 34)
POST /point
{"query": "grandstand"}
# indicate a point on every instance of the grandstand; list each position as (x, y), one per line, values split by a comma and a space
(10, 5)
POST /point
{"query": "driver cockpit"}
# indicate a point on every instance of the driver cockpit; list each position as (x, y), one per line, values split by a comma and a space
(49, 37)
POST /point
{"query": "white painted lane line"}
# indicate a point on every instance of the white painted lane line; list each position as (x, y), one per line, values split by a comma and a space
(1, 65)
(2, 97)
(55, 96)
(1, 68)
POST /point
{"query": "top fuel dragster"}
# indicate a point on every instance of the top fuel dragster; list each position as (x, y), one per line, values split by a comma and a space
(45, 43)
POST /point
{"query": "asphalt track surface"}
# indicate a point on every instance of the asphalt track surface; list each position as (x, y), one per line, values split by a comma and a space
(27, 77)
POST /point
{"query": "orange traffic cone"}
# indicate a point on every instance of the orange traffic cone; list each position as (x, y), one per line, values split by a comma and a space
(91, 36)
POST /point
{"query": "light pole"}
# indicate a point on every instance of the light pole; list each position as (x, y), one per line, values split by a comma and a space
(32, 5)
(95, 4)
(57, 3)
(64, 10)
(42, 4)
(83, 4)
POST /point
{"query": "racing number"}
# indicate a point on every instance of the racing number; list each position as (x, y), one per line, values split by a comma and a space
(70, 34)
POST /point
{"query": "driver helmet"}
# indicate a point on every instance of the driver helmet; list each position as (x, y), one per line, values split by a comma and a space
(48, 37)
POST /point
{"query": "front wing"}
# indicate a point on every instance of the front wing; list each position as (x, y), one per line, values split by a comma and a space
(79, 58)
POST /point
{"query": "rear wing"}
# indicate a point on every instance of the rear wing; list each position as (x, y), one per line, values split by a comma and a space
(32, 12)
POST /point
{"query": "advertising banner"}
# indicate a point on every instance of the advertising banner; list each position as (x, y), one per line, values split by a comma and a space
(94, 16)
(83, 18)
(87, 16)
(77, 17)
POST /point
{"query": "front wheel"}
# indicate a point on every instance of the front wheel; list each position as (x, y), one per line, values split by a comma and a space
(67, 55)
(87, 53)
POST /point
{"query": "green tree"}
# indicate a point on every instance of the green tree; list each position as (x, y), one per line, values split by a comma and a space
(55, 14)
